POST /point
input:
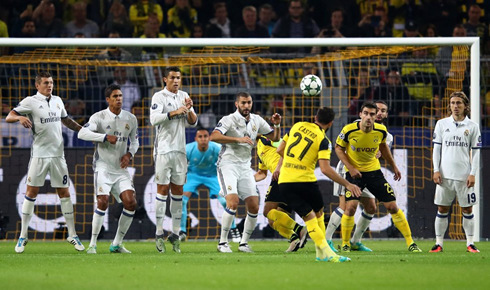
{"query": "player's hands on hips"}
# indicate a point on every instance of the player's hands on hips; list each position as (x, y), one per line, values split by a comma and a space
(354, 173)
(354, 189)
(470, 182)
(437, 178)
(182, 110)
(25, 122)
(245, 139)
(111, 139)
(125, 160)
(276, 119)
(188, 103)
(398, 175)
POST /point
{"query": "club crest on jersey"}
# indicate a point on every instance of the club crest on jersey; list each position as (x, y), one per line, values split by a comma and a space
(375, 140)
(29, 179)
(127, 127)
(157, 178)
(100, 189)
(254, 128)
(229, 187)
(58, 106)
(466, 132)
(348, 194)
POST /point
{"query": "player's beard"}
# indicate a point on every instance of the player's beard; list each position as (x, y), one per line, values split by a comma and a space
(382, 121)
(242, 112)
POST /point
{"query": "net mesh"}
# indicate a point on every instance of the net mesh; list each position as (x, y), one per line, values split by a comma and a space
(212, 76)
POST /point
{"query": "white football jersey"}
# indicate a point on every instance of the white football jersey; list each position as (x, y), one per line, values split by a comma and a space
(46, 124)
(170, 133)
(235, 125)
(456, 139)
(102, 123)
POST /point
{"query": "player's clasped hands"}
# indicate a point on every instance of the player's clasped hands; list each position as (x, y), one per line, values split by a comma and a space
(111, 139)
(189, 103)
(125, 161)
(182, 110)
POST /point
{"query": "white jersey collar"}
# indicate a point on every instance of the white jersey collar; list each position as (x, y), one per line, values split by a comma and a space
(40, 96)
(239, 116)
(458, 123)
(112, 114)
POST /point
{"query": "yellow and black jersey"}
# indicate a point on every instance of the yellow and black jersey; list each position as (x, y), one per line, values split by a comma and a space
(268, 156)
(305, 144)
(361, 147)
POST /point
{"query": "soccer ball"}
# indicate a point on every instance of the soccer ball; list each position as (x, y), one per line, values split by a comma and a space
(311, 86)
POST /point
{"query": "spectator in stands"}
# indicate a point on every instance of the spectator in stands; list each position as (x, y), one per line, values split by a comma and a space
(47, 25)
(337, 23)
(251, 29)
(376, 25)
(28, 30)
(141, 11)
(81, 24)
(486, 110)
(152, 30)
(130, 90)
(360, 92)
(115, 53)
(396, 95)
(421, 80)
(295, 25)
(411, 30)
(476, 28)
(118, 20)
(266, 16)
(403, 12)
(139, 109)
(76, 110)
(220, 25)
(181, 19)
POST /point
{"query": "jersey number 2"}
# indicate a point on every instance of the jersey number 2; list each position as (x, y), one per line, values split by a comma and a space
(296, 142)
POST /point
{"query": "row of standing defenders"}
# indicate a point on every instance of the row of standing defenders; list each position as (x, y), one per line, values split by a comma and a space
(226, 169)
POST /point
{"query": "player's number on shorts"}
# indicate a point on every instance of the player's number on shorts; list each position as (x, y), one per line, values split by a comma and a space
(471, 197)
(65, 179)
(296, 142)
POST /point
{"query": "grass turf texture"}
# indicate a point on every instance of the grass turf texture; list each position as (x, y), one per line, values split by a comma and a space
(56, 265)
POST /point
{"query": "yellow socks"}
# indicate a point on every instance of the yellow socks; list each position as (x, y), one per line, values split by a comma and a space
(318, 236)
(282, 223)
(321, 223)
(401, 224)
(347, 224)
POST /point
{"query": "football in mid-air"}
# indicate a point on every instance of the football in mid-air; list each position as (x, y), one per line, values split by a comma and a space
(311, 86)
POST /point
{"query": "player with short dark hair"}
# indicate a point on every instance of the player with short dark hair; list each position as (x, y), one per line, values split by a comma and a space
(357, 146)
(304, 145)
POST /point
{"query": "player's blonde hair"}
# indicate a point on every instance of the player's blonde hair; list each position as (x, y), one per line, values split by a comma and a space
(466, 102)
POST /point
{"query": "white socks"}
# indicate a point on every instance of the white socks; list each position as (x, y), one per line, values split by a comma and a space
(334, 223)
(124, 224)
(67, 210)
(249, 227)
(176, 212)
(361, 226)
(226, 221)
(440, 225)
(97, 222)
(469, 227)
(160, 209)
(27, 212)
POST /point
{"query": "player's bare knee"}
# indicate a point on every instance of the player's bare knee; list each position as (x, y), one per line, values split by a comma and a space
(391, 207)
(62, 192)
(467, 210)
(443, 209)
(130, 205)
(102, 203)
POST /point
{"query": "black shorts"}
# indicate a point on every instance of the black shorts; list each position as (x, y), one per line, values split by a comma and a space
(274, 195)
(376, 182)
(302, 197)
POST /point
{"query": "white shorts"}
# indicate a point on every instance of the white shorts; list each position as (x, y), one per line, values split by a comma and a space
(106, 183)
(235, 179)
(56, 167)
(339, 190)
(451, 189)
(171, 167)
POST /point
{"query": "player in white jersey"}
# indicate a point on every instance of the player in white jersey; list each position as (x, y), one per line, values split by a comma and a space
(170, 110)
(455, 169)
(367, 198)
(111, 129)
(237, 132)
(43, 113)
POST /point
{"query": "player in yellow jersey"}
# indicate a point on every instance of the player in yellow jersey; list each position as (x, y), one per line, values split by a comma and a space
(302, 147)
(276, 208)
(357, 146)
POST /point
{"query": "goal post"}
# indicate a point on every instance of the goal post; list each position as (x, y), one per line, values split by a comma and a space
(236, 57)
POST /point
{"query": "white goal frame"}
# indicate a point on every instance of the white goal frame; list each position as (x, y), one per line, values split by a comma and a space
(473, 42)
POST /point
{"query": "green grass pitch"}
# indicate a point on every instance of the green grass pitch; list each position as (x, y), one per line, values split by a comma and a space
(56, 265)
